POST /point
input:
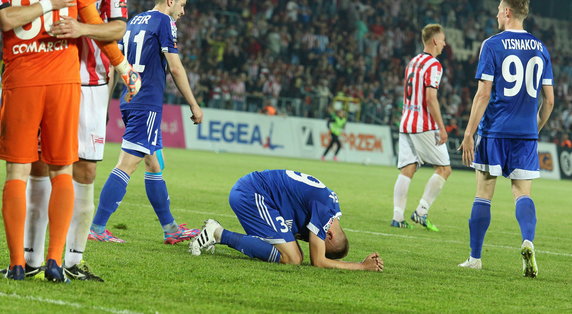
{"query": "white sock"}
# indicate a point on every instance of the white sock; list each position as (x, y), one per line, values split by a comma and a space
(400, 196)
(432, 190)
(37, 199)
(80, 223)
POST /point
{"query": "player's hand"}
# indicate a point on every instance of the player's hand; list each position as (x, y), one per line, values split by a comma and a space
(60, 4)
(132, 81)
(197, 116)
(67, 27)
(468, 149)
(373, 262)
(443, 136)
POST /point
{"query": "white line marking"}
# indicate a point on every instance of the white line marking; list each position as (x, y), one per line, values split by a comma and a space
(451, 241)
(65, 303)
(407, 236)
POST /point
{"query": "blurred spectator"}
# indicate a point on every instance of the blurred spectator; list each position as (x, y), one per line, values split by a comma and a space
(291, 51)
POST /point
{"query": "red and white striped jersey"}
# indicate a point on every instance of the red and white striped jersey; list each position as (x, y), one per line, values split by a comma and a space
(94, 66)
(422, 71)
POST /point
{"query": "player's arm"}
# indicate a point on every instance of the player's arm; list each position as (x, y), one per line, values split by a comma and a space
(182, 81)
(480, 103)
(69, 27)
(318, 258)
(546, 106)
(132, 80)
(435, 110)
(13, 17)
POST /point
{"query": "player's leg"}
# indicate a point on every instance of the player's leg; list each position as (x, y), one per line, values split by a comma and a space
(112, 194)
(19, 147)
(261, 222)
(329, 146)
(438, 156)
(213, 233)
(408, 161)
(60, 150)
(523, 168)
(525, 209)
(91, 143)
(141, 138)
(489, 160)
(336, 139)
(480, 217)
(37, 199)
(158, 196)
(14, 215)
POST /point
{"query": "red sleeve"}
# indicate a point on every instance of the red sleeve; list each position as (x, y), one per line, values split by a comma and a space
(433, 75)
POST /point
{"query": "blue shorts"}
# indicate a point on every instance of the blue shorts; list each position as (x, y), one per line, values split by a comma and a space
(142, 132)
(258, 214)
(513, 158)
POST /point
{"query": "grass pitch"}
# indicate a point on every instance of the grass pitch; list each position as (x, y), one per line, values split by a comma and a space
(421, 274)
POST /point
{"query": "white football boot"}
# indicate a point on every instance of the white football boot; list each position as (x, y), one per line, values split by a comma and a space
(529, 267)
(205, 241)
(474, 263)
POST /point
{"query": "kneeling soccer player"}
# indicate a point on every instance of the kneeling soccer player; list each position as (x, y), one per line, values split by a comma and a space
(277, 207)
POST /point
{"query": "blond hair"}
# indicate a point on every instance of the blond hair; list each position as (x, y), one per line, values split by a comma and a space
(519, 8)
(429, 31)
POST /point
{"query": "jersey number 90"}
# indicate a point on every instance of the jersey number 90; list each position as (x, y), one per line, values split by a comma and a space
(522, 75)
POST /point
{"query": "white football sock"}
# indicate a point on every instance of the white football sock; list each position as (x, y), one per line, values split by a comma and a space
(432, 190)
(80, 223)
(37, 199)
(400, 196)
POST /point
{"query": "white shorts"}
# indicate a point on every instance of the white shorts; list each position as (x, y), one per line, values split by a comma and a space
(92, 121)
(421, 148)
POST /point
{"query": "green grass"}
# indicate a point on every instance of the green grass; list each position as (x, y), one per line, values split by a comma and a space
(421, 271)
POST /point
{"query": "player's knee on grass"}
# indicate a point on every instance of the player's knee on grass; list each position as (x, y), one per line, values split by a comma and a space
(290, 253)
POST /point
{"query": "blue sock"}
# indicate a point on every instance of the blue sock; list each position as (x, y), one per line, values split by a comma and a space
(111, 196)
(159, 198)
(526, 216)
(478, 225)
(251, 246)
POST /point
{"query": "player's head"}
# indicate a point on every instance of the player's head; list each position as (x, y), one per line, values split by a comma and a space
(433, 37)
(175, 8)
(337, 245)
(512, 10)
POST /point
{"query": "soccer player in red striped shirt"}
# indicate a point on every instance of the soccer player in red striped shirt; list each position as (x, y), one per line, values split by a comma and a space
(422, 134)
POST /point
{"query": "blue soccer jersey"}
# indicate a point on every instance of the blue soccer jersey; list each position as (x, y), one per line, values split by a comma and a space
(519, 65)
(304, 203)
(149, 35)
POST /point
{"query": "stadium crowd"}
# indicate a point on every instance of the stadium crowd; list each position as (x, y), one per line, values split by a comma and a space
(300, 56)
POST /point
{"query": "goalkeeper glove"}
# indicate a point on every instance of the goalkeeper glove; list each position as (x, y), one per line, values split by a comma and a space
(130, 77)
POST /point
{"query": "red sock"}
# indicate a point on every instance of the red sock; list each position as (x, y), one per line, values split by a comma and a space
(14, 213)
(60, 211)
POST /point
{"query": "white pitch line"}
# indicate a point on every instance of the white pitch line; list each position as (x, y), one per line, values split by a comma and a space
(450, 241)
(65, 303)
(404, 236)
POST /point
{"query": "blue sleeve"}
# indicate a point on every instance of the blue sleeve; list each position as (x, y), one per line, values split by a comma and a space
(323, 216)
(486, 66)
(168, 35)
(547, 76)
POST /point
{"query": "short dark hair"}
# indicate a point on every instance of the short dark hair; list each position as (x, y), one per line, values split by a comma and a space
(341, 249)
(429, 31)
(518, 7)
